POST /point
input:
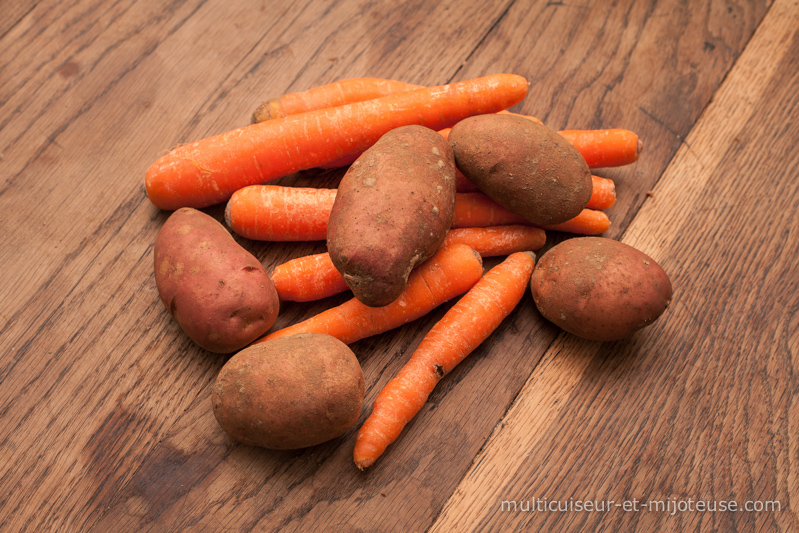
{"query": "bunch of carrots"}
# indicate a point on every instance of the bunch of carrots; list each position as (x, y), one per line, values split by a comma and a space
(329, 126)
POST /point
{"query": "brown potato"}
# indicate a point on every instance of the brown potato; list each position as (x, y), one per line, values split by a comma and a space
(218, 293)
(524, 166)
(599, 289)
(289, 393)
(392, 211)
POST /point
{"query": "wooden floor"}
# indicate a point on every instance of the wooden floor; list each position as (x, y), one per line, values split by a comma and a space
(105, 413)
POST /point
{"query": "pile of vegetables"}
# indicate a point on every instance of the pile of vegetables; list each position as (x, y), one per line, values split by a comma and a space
(438, 179)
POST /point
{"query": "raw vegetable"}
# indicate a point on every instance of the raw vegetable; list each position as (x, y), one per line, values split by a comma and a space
(217, 291)
(467, 324)
(346, 91)
(450, 272)
(475, 209)
(603, 194)
(588, 222)
(605, 148)
(278, 213)
(308, 278)
(496, 241)
(289, 393)
(524, 166)
(392, 210)
(599, 289)
(209, 171)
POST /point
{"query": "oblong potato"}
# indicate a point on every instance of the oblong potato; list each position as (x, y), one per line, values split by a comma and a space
(524, 166)
(289, 393)
(392, 211)
(599, 289)
(217, 291)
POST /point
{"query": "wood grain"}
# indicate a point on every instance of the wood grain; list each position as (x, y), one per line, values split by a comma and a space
(105, 420)
(97, 371)
(704, 404)
(324, 489)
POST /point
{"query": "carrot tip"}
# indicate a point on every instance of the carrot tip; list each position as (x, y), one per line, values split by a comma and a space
(640, 146)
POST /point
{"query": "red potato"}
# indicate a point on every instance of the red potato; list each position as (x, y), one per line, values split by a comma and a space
(391, 213)
(217, 291)
(599, 289)
(523, 166)
(289, 393)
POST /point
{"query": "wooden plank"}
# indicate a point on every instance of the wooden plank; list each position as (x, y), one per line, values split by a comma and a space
(198, 479)
(14, 14)
(97, 372)
(704, 404)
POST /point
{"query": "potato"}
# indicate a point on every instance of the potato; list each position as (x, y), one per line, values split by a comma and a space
(218, 293)
(290, 392)
(392, 211)
(524, 166)
(599, 289)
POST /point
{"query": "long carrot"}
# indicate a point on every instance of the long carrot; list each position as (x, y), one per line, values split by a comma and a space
(450, 272)
(313, 277)
(603, 194)
(467, 324)
(475, 209)
(346, 91)
(498, 240)
(605, 148)
(600, 148)
(308, 278)
(277, 213)
(209, 171)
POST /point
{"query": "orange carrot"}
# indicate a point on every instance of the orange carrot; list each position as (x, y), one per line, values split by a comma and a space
(588, 222)
(279, 213)
(450, 272)
(308, 278)
(605, 148)
(334, 94)
(476, 210)
(498, 240)
(467, 324)
(209, 171)
(314, 277)
(603, 195)
(276, 213)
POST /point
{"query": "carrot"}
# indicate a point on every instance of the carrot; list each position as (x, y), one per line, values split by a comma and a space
(476, 210)
(450, 272)
(498, 240)
(313, 277)
(588, 222)
(308, 278)
(276, 213)
(603, 195)
(605, 148)
(467, 324)
(334, 94)
(209, 171)
(279, 213)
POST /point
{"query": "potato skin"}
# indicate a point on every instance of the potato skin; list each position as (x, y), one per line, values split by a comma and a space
(524, 166)
(599, 289)
(217, 291)
(392, 211)
(290, 392)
